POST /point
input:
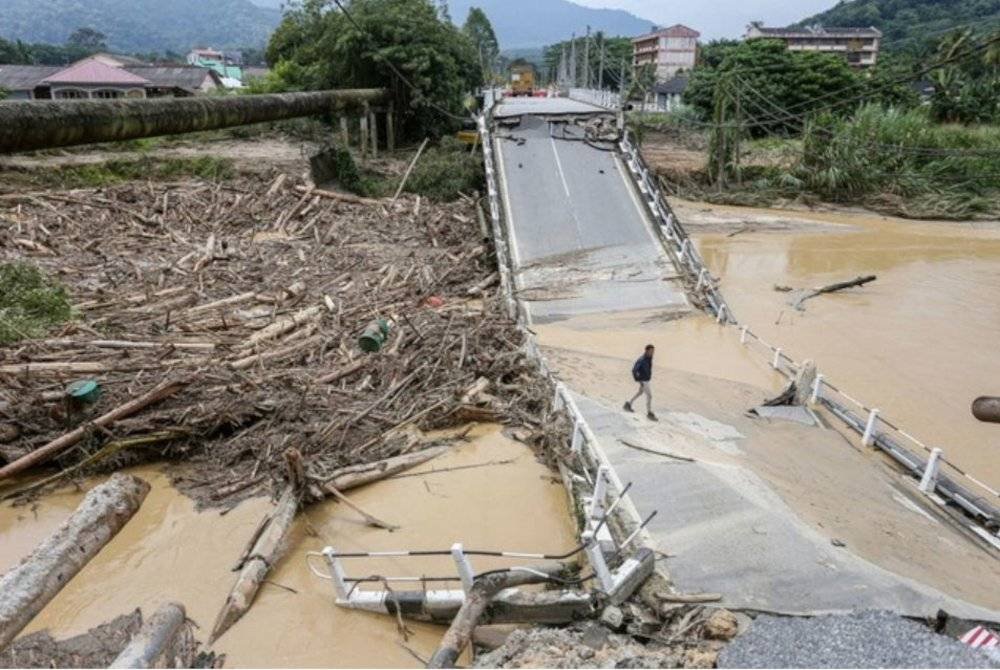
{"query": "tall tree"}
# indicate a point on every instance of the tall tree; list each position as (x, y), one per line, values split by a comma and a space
(87, 38)
(479, 29)
(428, 64)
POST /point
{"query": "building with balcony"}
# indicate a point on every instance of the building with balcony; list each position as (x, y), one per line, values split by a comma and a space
(859, 46)
(670, 50)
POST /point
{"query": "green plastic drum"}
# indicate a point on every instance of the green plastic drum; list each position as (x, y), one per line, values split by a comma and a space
(374, 336)
(84, 391)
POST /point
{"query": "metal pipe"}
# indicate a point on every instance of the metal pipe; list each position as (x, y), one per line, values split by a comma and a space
(25, 126)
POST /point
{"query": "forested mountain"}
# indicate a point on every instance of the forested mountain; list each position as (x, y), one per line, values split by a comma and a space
(910, 22)
(141, 25)
(532, 24)
(536, 23)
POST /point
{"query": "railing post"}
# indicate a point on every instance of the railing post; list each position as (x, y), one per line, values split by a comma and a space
(701, 279)
(869, 437)
(463, 565)
(577, 442)
(600, 491)
(721, 317)
(597, 562)
(928, 483)
(336, 573)
(743, 335)
(777, 358)
(684, 248)
(816, 390)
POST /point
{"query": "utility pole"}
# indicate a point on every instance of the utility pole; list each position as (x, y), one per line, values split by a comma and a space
(600, 68)
(572, 62)
(586, 60)
(621, 81)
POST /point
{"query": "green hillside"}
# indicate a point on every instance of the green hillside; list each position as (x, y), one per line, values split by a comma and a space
(908, 23)
(141, 25)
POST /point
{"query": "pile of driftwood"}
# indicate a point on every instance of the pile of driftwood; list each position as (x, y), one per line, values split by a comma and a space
(221, 324)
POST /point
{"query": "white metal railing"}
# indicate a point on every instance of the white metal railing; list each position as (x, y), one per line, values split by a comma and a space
(609, 581)
(599, 97)
(875, 429)
(585, 446)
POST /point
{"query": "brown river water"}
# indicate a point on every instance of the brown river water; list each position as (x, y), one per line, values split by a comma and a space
(920, 343)
(169, 551)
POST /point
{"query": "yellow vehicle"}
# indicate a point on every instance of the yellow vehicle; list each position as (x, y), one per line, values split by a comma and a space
(522, 79)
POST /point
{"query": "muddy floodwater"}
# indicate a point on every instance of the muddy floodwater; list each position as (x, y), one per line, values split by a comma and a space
(169, 551)
(920, 343)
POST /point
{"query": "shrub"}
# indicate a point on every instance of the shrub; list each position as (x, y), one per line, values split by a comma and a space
(30, 302)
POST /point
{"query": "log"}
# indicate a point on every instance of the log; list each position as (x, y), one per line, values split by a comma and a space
(986, 408)
(358, 475)
(333, 195)
(64, 442)
(60, 123)
(484, 588)
(164, 641)
(284, 325)
(266, 544)
(265, 551)
(831, 288)
(32, 583)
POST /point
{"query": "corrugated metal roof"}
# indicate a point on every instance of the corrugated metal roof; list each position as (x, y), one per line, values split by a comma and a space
(24, 77)
(92, 72)
(187, 77)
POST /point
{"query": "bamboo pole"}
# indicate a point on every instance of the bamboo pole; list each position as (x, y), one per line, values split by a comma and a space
(63, 442)
(409, 169)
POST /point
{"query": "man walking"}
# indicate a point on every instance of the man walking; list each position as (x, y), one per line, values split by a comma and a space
(642, 372)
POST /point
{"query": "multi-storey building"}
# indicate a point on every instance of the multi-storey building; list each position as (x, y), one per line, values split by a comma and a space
(670, 50)
(858, 45)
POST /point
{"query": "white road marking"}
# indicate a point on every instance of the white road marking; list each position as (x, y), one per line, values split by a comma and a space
(562, 175)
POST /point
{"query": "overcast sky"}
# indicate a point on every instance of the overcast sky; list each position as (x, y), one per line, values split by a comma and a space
(717, 18)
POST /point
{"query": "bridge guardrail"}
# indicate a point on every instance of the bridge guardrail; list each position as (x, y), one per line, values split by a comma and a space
(875, 429)
(585, 447)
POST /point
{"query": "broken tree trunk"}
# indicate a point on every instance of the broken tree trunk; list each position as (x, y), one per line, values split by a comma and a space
(359, 475)
(456, 639)
(986, 408)
(60, 444)
(830, 288)
(265, 546)
(164, 641)
(264, 550)
(29, 586)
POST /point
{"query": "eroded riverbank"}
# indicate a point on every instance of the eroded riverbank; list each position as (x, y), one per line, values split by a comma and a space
(168, 551)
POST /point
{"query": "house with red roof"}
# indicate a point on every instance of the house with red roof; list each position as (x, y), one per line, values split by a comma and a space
(106, 76)
(93, 78)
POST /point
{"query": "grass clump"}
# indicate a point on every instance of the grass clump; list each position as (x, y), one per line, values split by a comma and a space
(445, 171)
(31, 302)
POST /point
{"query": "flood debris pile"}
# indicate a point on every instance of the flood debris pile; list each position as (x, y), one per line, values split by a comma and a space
(219, 323)
(632, 636)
